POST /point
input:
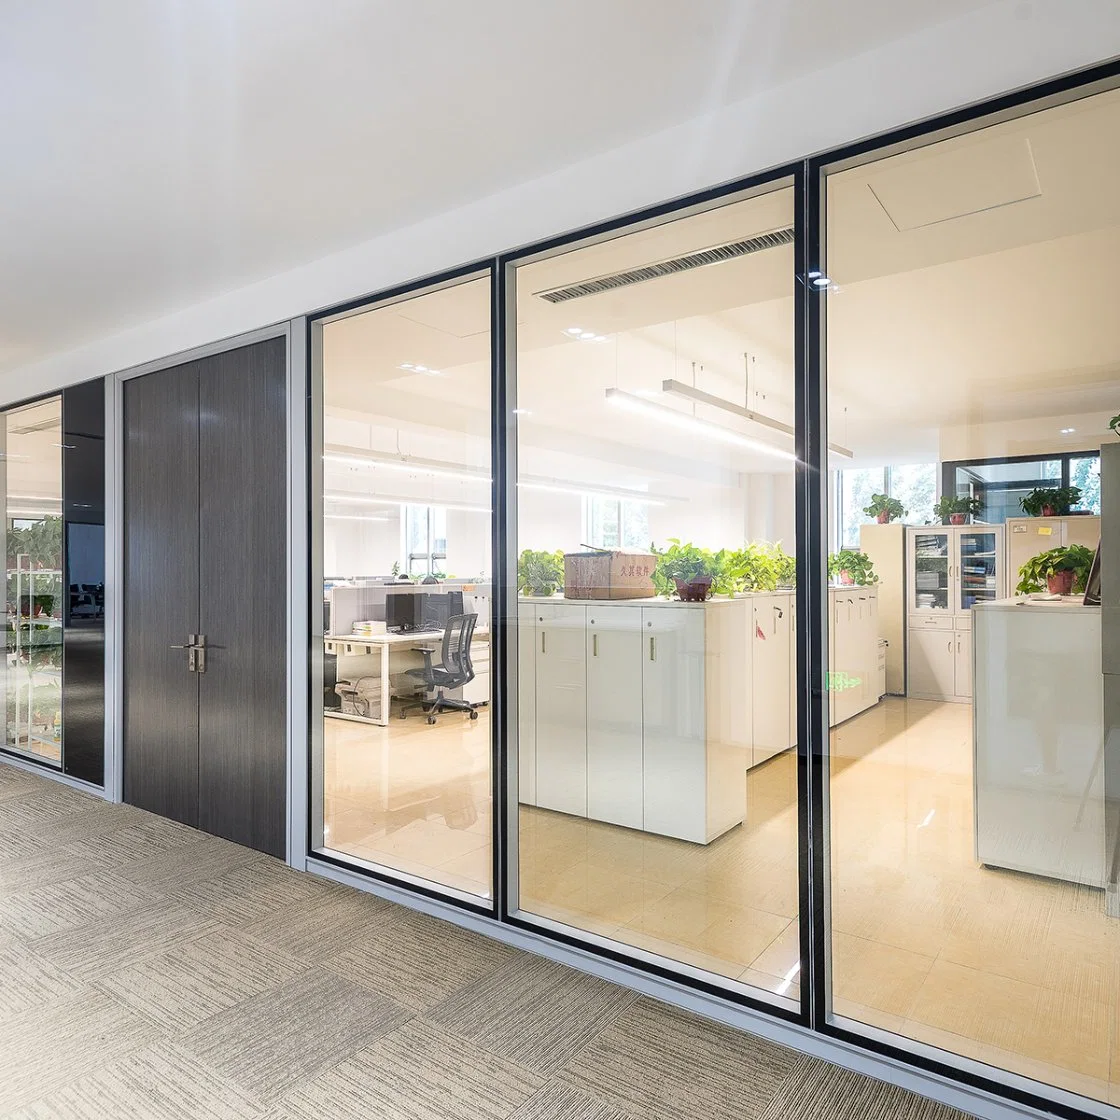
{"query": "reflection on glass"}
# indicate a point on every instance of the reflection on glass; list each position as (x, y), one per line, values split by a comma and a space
(973, 849)
(403, 761)
(656, 683)
(32, 467)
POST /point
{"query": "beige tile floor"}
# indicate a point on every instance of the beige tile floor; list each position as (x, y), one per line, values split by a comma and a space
(1017, 971)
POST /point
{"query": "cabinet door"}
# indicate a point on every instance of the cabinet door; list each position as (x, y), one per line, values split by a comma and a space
(561, 708)
(770, 675)
(931, 570)
(792, 737)
(614, 715)
(933, 664)
(675, 775)
(963, 663)
(527, 704)
(977, 568)
(1084, 530)
(843, 676)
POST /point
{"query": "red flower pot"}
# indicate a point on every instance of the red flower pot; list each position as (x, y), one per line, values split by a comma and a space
(1049, 511)
(957, 518)
(1060, 583)
(883, 517)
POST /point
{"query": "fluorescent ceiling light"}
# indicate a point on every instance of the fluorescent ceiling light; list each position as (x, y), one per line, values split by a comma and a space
(680, 389)
(690, 423)
(405, 466)
(1066, 431)
(637, 496)
(522, 412)
(352, 517)
(438, 469)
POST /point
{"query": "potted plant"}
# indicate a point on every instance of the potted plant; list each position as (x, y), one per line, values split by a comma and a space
(851, 567)
(955, 511)
(884, 509)
(1053, 502)
(688, 571)
(1061, 570)
(540, 573)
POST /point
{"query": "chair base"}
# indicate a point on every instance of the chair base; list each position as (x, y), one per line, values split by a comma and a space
(440, 703)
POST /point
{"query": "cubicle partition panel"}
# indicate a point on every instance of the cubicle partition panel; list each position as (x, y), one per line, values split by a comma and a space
(691, 771)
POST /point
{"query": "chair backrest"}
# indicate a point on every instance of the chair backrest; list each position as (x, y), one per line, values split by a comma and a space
(456, 653)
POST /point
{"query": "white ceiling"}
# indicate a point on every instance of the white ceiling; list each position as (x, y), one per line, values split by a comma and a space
(160, 152)
(975, 284)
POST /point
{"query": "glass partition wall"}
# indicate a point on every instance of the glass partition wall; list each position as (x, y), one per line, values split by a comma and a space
(971, 321)
(661, 802)
(31, 462)
(656, 691)
(401, 718)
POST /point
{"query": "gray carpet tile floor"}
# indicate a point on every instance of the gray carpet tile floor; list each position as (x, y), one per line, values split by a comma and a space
(150, 972)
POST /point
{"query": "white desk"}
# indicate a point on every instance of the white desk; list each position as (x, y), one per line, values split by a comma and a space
(382, 647)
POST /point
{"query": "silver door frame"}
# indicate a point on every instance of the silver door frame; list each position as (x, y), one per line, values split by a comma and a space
(294, 334)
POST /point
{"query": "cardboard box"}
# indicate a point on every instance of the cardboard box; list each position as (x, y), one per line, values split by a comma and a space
(608, 575)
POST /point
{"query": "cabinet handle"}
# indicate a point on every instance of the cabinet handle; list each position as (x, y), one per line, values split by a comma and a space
(542, 641)
(653, 649)
(594, 645)
(949, 647)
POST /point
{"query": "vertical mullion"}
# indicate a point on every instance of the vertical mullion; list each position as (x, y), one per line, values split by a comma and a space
(502, 624)
(812, 596)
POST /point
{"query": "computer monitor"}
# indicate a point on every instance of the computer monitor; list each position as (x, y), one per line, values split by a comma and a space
(439, 607)
(404, 611)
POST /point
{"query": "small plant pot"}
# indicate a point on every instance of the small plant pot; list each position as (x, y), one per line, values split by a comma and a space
(884, 518)
(957, 518)
(1048, 511)
(1060, 583)
(846, 577)
(695, 590)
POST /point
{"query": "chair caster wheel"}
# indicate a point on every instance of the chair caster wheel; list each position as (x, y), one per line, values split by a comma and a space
(431, 719)
(474, 714)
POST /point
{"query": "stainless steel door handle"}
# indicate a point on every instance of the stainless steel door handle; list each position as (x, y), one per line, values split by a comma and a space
(196, 652)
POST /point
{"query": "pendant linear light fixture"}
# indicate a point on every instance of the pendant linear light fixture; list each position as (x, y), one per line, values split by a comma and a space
(438, 469)
(680, 389)
(686, 421)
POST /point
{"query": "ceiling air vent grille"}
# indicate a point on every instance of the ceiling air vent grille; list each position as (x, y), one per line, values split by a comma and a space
(701, 257)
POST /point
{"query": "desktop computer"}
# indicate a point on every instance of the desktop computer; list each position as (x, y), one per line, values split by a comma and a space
(408, 612)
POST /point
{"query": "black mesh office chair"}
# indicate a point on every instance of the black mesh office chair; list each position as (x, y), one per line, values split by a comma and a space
(453, 671)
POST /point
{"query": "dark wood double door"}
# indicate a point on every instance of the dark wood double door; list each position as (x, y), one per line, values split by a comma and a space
(205, 565)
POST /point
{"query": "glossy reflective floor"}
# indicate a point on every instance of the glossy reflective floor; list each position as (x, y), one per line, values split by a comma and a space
(412, 796)
(1018, 971)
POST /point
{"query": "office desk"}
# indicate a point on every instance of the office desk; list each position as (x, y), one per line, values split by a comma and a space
(382, 646)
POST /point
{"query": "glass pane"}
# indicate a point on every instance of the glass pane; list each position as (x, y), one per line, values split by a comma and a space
(973, 878)
(857, 485)
(1085, 474)
(403, 758)
(979, 566)
(932, 571)
(656, 773)
(915, 486)
(32, 466)
(1001, 487)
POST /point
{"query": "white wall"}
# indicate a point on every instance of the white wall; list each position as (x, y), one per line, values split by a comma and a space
(361, 548)
(468, 543)
(1000, 47)
(1041, 435)
(770, 509)
(547, 521)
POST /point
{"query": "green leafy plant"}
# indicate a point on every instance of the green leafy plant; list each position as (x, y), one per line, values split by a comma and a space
(884, 508)
(856, 566)
(1053, 502)
(758, 566)
(1036, 573)
(687, 563)
(396, 569)
(41, 541)
(540, 573)
(1114, 424)
(947, 506)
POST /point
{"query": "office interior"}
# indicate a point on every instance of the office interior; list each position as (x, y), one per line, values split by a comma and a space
(31, 469)
(972, 352)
